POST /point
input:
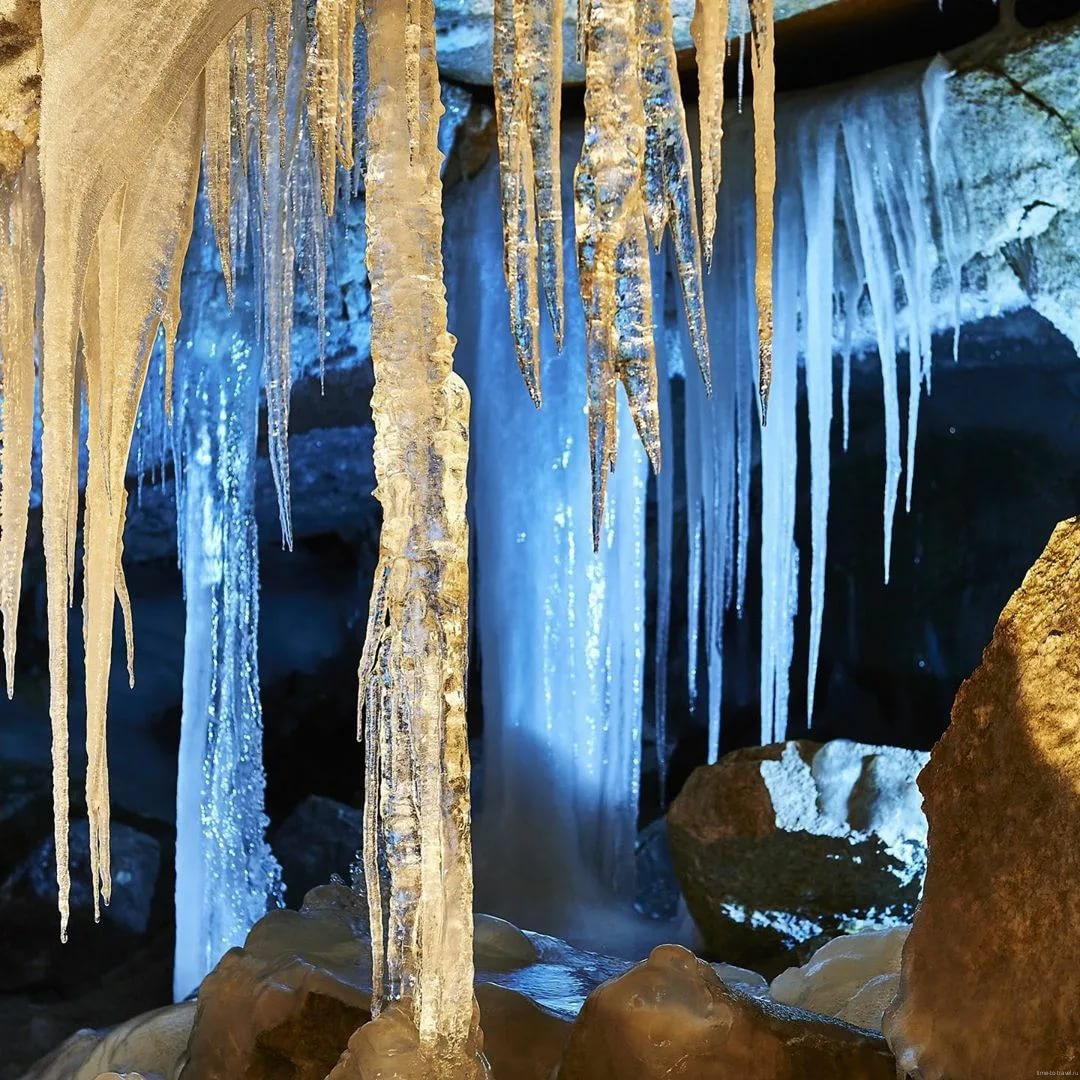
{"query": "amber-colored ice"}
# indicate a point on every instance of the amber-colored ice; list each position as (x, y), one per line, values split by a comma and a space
(668, 173)
(412, 673)
(331, 98)
(612, 243)
(764, 70)
(111, 134)
(709, 31)
(21, 229)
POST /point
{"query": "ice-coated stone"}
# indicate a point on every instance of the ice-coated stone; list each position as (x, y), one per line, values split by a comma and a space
(785, 846)
(149, 1045)
(988, 985)
(672, 1016)
(853, 978)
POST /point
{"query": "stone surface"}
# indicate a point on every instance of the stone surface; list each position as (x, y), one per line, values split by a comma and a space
(852, 978)
(20, 81)
(153, 1042)
(136, 860)
(671, 1016)
(784, 846)
(988, 983)
(289, 1001)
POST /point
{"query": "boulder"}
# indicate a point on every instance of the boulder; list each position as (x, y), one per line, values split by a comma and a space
(783, 847)
(673, 1016)
(318, 839)
(988, 982)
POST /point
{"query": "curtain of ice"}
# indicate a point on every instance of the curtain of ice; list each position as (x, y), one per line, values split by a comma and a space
(561, 641)
(226, 875)
(560, 630)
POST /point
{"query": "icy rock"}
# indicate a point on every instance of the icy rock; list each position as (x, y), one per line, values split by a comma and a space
(153, 1042)
(136, 859)
(853, 978)
(673, 1016)
(290, 1000)
(388, 1048)
(319, 838)
(785, 846)
(1002, 796)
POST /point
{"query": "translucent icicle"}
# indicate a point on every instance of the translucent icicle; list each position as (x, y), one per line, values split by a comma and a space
(709, 31)
(512, 95)
(612, 244)
(764, 69)
(99, 121)
(21, 229)
(412, 673)
(219, 154)
(141, 243)
(817, 170)
(668, 177)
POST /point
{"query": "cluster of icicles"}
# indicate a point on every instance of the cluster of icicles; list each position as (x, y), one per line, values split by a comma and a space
(261, 96)
(634, 181)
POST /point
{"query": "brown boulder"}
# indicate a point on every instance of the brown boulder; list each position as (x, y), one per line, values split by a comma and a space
(781, 848)
(671, 1016)
(988, 981)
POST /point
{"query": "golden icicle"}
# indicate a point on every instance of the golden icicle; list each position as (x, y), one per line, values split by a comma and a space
(219, 156)
(709, 31)
(518, 197)
(412, 674)
(668, 174)
(612, 244)
(99, 122)
(21, 229)
(764, 69)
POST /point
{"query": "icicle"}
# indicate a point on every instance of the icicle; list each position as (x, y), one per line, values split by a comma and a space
(761, 18)
(612, 245)
(561, 629)
(226, 875)
(817, 170)
(21, 229)
(330, 105)
(668, 178)
(412, 672)
(709, 30)
(219, 155)
(98, 124)
(512, 108)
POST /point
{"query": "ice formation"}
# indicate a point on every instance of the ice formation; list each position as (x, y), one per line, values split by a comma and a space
(412, 672)
(561, 629)
(226, 876)
(855, 218)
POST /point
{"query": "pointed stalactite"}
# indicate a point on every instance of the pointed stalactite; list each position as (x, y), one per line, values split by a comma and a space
(612, 243)
(412, 673)
(668, 172)
(101, 128)
(709, 31)
(764, 70)
(21, 230)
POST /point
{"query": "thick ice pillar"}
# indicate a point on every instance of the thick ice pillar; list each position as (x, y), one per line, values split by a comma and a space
(226, 875)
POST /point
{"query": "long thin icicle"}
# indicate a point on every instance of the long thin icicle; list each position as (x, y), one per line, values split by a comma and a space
(612, 245)
(668, 176)
(99, 122)
(412, 673)
(709, 29)
(21, 229)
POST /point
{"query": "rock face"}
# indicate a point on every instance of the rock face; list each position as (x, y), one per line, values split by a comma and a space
(853, 978)
(317, 839)
(671, 1016)
(782, 847)
(988, 984)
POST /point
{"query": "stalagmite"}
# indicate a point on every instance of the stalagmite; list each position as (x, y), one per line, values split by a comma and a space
(412, 673)
(21, 229)
(612, 245)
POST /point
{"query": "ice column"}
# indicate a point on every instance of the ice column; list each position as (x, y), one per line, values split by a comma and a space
(226, 875)
(561, 630)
